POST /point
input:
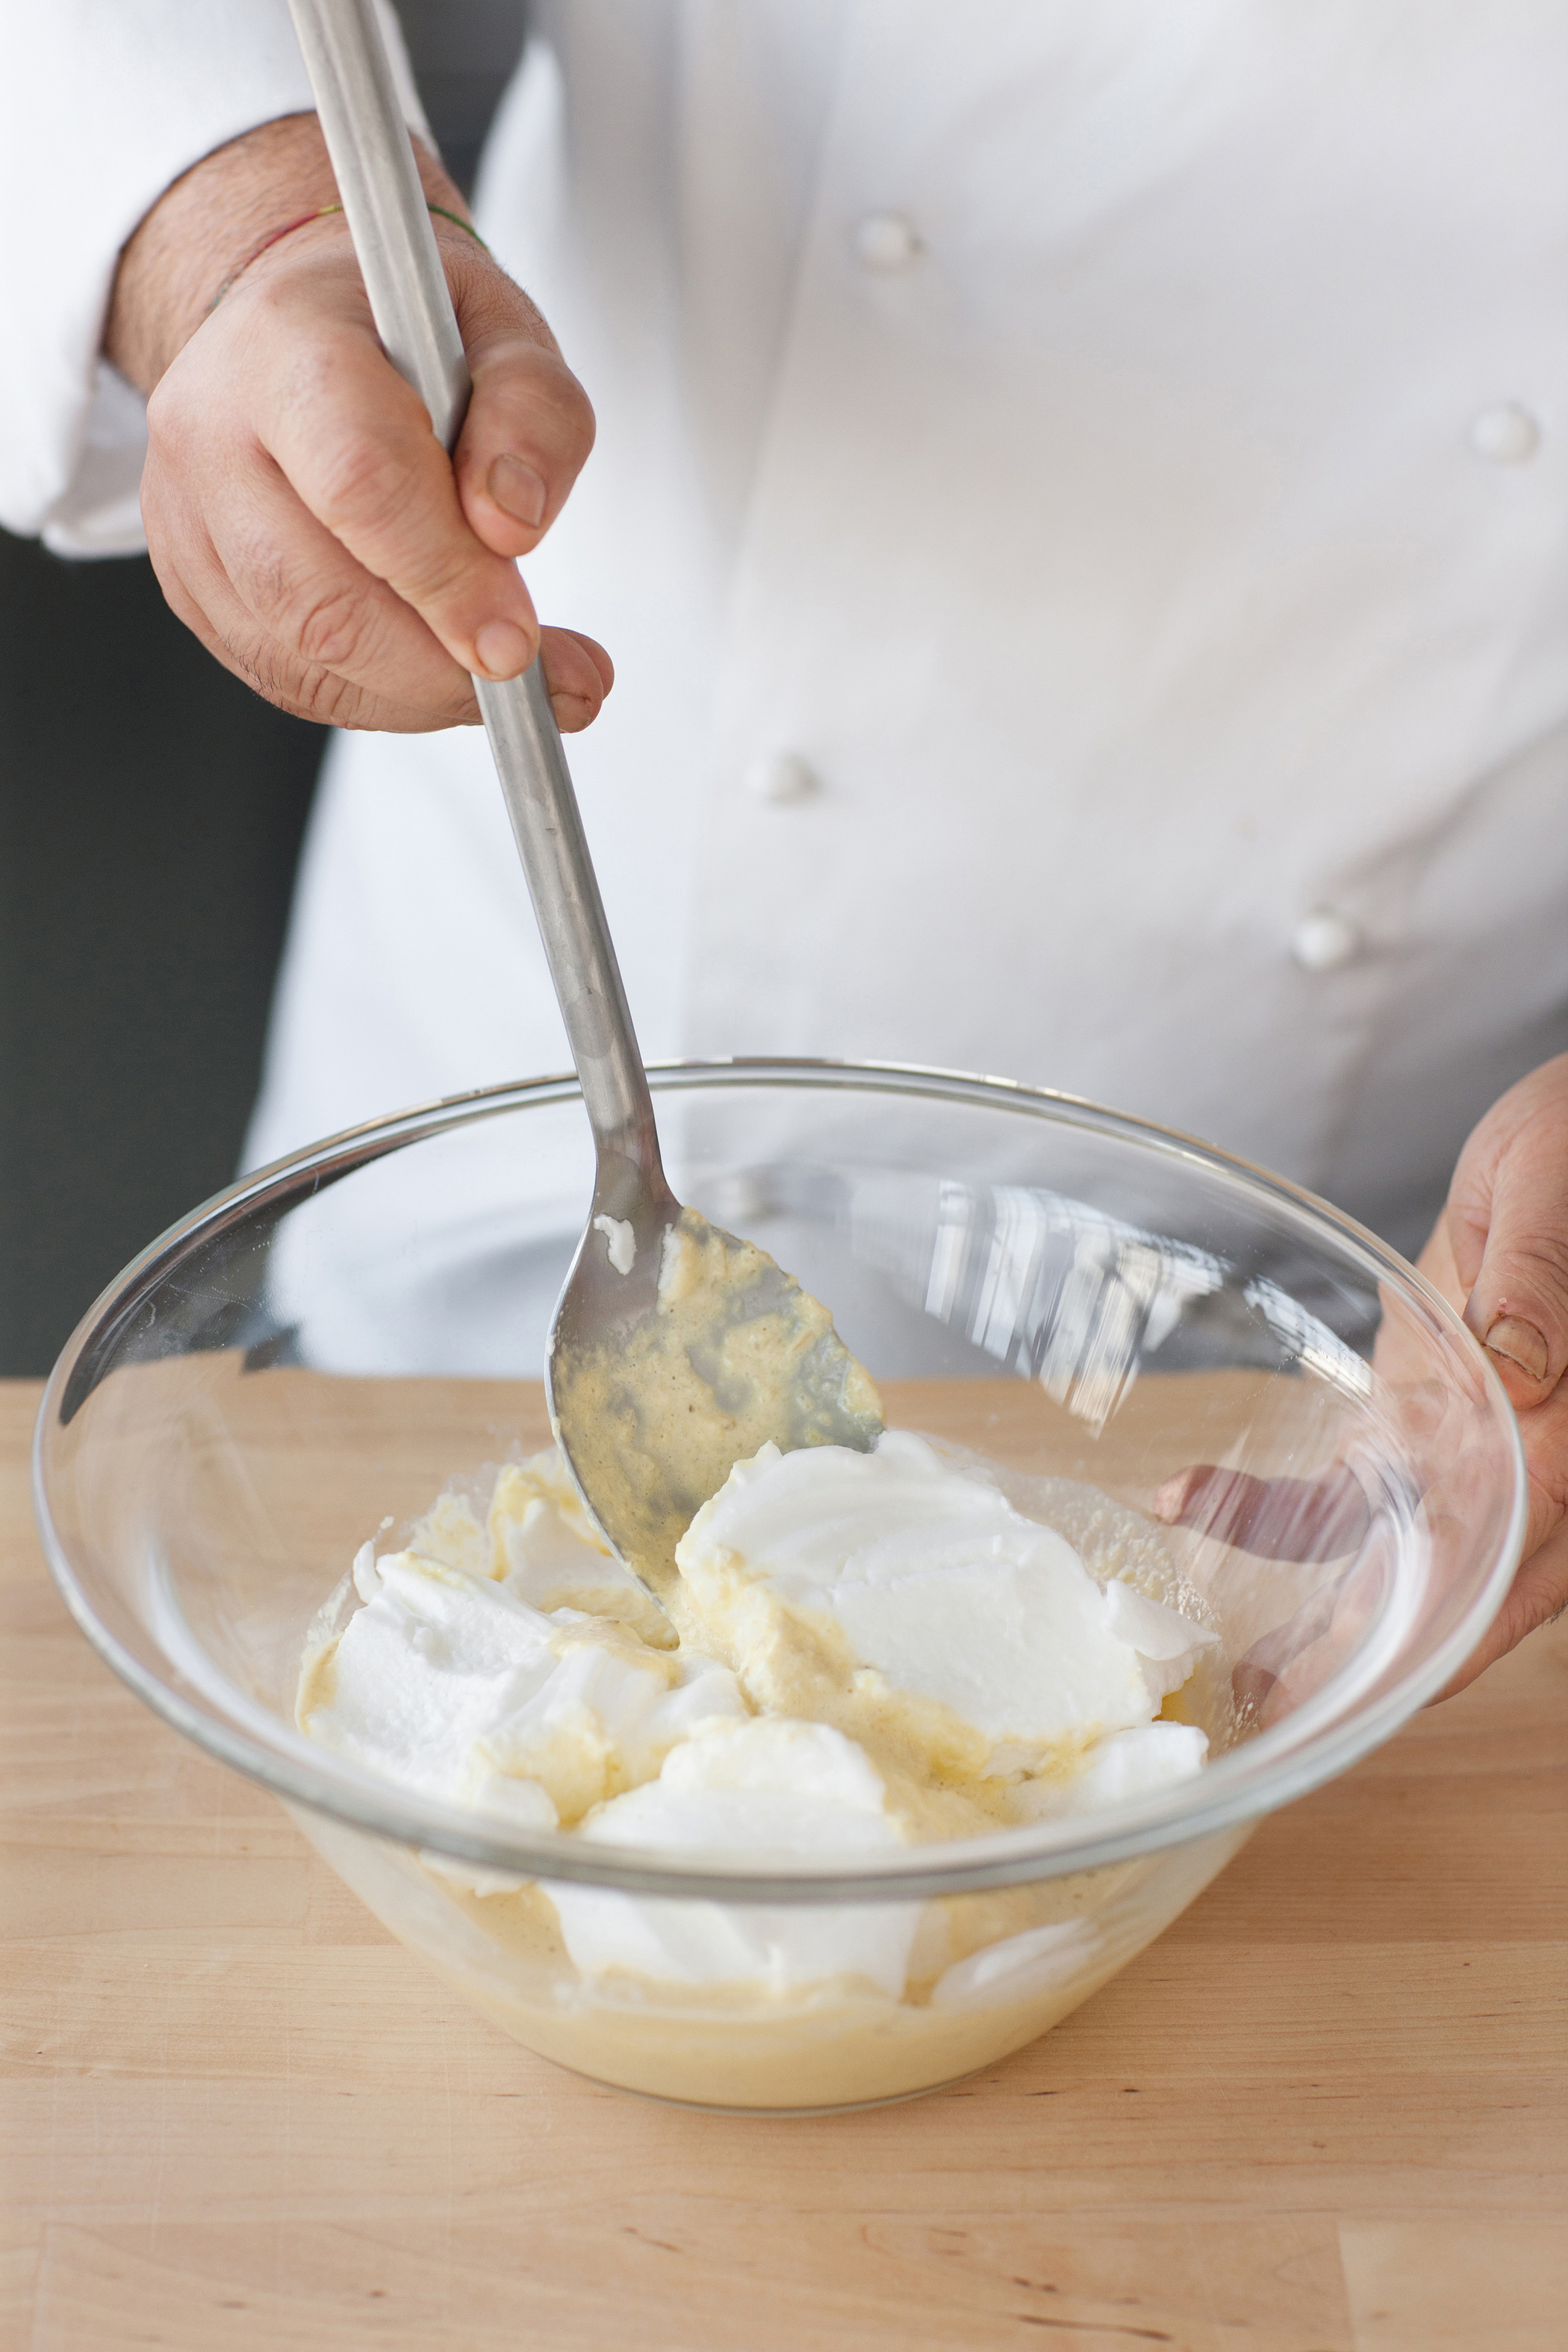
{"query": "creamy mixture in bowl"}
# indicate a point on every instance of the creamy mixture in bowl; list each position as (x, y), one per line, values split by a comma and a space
(855, 1651)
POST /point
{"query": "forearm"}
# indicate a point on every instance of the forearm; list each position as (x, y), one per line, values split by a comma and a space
(206, 225)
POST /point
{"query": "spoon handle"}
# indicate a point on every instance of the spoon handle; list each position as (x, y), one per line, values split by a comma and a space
(378, 181)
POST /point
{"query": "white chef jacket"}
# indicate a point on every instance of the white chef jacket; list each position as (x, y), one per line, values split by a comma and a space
(1080, 515)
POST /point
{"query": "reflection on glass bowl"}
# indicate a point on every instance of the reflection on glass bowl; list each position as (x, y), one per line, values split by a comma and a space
(1074, 1295)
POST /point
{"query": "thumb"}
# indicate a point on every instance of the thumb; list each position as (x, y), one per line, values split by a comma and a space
(1508, 1211)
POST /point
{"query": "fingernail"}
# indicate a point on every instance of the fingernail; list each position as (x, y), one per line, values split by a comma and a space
(517, 489)
(502, 650)
(1170, 1496)
(1521, 1343)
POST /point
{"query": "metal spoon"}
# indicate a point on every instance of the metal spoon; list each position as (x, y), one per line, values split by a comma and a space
(677, 1350)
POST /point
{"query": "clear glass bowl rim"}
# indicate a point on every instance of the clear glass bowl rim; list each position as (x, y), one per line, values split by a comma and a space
(1312, 1745)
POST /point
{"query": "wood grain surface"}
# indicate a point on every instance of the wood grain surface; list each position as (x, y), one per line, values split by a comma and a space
(1328, 2111)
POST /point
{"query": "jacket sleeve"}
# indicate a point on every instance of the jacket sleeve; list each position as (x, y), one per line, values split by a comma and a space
(102, 104)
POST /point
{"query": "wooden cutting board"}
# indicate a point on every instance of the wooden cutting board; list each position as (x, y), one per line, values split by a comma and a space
(1328, 2111)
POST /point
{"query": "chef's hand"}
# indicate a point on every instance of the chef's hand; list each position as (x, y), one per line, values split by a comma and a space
(302, 518)
(1498, 1254)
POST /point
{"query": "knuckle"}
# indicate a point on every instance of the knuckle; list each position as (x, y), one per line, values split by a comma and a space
(256, 661)
(171, 417)
(574, 424)
(378, 501)
(320, 694)
(553, 394)
(306, 689)
(311, 690)
(335, 629)
(264, 667)
(365, 485)
(337, 702)
(581, 423)
(1540, 1265)
(530, 398)
(570, 446)
(163, 414)
(439, 575)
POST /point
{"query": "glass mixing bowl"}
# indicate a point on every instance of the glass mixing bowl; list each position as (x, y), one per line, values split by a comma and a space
(1080, 1297)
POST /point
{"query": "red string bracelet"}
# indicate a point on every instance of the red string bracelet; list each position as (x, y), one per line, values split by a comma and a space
(320, 212)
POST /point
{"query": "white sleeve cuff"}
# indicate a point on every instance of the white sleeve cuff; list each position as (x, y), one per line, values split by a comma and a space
(102, 104)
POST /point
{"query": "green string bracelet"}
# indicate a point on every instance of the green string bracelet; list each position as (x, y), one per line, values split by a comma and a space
(457, 222)
(320, 212)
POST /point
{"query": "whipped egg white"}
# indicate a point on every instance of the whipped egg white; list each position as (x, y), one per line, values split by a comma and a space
(768, 1785)
(903, 1596)
(452, 1679)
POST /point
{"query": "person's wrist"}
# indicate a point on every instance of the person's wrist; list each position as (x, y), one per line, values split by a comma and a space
(218, 226)
(438, 213)
(201, 228)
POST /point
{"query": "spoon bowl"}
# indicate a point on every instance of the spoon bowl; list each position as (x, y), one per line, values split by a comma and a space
(679, 1349)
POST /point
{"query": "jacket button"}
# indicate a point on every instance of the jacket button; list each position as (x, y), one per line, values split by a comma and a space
(885, 241)
(782, 777)
(1507, 436)
(1324, 940)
